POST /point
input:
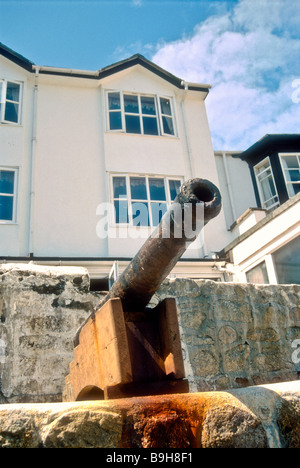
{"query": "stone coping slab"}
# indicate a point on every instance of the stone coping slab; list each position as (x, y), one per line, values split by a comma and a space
(265, 416)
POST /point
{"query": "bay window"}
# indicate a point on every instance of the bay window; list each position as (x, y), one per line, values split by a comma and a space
(140, 114)
(10, 101)
(142, 200)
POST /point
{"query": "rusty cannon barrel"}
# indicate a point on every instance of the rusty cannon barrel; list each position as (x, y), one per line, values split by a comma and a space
(159, 254)
(126, 348)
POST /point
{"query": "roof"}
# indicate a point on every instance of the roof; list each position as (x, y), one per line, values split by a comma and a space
(271, 142)
(15, 57)
(132, 61)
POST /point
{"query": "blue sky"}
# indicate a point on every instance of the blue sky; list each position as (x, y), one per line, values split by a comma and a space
(249, 50)
(92, 34)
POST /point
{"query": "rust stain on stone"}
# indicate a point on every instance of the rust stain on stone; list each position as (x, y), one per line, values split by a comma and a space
(189, 421)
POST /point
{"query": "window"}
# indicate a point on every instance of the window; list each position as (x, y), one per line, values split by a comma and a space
(291, 170)
(287, 262)
(10, 98)
(7, 194)
(258, 274)
(142, 200)
(166, 116)
(140, 114)
(266, 185)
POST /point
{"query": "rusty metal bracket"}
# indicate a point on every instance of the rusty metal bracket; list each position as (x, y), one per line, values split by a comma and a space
(118, 358)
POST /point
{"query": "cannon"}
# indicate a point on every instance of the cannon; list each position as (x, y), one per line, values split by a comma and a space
(125, 347)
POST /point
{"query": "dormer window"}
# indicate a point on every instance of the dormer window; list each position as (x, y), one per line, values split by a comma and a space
(10, 99)
(140, 114)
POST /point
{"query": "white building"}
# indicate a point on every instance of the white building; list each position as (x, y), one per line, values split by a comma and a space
(72, 140)
(266, 248)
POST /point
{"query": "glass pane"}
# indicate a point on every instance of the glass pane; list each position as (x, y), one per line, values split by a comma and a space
(174, 188)
(158, 210)
(138, 188)
(271, 202)
(132, 124)
(121, 211)
(287, 262)
(7, 179)
(148, 105)
(115, 121)
(293, 189)
(268, 188)
(258, 274)
(1, 86)
(165, 105)
(6, 208)
(140, 214)
(168, 125)
(157, 189)
(293, 175)
(131, 104)
(296, 188)
(150, 126)
(114, 101)
(13, 91)
(11, 112)
(290, 162)
(262, 168)
(119, 186)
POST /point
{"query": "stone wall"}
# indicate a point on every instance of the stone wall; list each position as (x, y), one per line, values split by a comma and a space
(236, 335)
(40, 310)
(233, 335)
(254, 417)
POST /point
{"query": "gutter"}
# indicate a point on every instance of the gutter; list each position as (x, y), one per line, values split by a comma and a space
(195, 86)
(228, 183)
(187, 144)
(33, 152)
(65, 71)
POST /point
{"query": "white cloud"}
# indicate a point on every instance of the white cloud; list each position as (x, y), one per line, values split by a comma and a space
(251, 57)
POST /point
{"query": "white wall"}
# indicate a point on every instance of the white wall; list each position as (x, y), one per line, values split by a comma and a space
(75, 155)
(69, 169)
(157, 155)
(236, 186)
(277, 229)
(15, 152)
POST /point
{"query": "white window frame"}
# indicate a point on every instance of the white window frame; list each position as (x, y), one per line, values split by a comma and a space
(127, 176)
(4, 100)
(161, 115)
(288, 182)
(13, 195)
(158, 116)
(261, 195)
